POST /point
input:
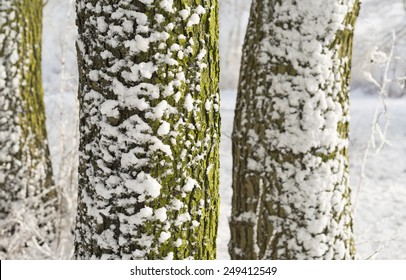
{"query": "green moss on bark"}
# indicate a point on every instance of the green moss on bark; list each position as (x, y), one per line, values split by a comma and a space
(28, 170)
(193, 139)
(264, 219)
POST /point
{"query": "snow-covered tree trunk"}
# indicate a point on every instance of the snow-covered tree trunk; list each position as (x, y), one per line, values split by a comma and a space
(149, 129)
(26, 186)
(291, 195)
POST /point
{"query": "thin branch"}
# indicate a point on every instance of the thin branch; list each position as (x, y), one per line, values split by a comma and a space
(376, 129)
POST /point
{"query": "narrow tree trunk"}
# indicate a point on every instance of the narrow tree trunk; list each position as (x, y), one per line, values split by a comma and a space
(26, 186)
(291, 195)
(149, 129)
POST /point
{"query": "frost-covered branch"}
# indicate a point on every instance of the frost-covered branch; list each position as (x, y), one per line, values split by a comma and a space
(384, 61)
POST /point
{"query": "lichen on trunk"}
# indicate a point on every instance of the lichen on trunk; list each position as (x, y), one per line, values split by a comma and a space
(291, 195)
(26, 185)
(149, 129)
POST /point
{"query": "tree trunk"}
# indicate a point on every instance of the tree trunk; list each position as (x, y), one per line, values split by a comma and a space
(26, 185)
(291, 195)
(149, 129)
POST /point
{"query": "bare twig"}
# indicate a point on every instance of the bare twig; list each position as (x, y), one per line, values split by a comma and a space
(376, 128)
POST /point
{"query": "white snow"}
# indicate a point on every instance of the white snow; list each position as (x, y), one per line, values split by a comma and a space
(176, 204)
(109, 108)
(147, 2)
(200, 10)
(164, 128)
(193, 20)
(145, 185)
(167, 5)
(94, 75)
(141, 216)
(164, 236)
(184, 13)
(182, 218)
(202, 54)
(175, 47)
(380, 220)
(139, 44)
(160, 214)
(159, 18)
(178, 243)
(101, 24)
(190, 184)
(169, 256)
(189, 102)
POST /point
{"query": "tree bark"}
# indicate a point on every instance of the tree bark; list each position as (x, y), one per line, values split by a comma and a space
(291, 195)
(26, 184)
(149, 129)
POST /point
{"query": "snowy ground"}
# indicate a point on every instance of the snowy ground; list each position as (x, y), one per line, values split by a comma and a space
(380, 217)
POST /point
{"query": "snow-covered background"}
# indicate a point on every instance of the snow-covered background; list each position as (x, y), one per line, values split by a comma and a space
(380, 197)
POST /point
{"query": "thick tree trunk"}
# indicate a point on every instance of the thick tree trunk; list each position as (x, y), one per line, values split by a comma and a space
(26, 184)
(291, 195)
(149, 129)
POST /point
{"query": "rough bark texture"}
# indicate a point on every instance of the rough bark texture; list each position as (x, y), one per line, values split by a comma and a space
(26, 186)
(149, 129)
(291, 195)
